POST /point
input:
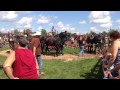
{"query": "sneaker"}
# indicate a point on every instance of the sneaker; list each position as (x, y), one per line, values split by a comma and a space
(42, 73)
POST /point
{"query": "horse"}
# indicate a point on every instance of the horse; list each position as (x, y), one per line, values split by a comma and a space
(98, 41)
(43, 45)
(57, 41)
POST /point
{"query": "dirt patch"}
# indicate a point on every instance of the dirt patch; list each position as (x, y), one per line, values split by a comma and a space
(69, 57)
(5, 52)
(66, 57)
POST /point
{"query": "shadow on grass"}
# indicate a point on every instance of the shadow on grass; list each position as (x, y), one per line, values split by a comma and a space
(95, 72)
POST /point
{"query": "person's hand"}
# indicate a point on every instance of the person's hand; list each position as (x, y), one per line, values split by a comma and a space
(15, 78)
(105, 66)
(38, 73)
(100, 56)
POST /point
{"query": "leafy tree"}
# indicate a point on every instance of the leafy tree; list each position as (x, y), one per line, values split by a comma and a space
(91, 32)
(43, 32)
(16, 32)
(87, 34)
(27, 31)
(105, 33)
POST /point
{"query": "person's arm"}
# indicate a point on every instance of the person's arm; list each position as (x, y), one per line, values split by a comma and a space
(114, 53)
(35, 45)
(37, 67)
(116, 68)
(7, 66)
(34, 50)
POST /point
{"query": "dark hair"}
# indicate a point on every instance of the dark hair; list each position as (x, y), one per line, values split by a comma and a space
(114, 34)
(21, 40)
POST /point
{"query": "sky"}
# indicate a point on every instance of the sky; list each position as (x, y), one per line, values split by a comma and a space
(71, 21)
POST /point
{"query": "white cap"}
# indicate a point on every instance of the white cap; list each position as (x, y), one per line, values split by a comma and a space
(37, 33)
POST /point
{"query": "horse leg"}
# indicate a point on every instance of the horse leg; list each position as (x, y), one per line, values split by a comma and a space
(46, 49)
(57, 50)
(42, 48)
(62, 50)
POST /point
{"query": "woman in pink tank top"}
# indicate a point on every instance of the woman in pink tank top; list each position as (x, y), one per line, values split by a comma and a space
(21, 63)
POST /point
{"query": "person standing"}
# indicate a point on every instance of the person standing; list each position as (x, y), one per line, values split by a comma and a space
(115, 60)
(81, 45)
(35, 46)
(21, 63)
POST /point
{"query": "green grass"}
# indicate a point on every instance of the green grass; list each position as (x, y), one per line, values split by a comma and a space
(2, 74)
(4, 48)
(58, 69)
(69, 50)
(81, 69)
(66, 50)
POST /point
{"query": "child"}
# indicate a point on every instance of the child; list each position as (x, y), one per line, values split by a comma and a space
(106, 60)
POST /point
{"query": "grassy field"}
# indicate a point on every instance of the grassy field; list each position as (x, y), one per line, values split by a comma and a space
(2, 74)
(5, 48)
(81, 69)
(58, 69)
(66, 50)
(69, 50)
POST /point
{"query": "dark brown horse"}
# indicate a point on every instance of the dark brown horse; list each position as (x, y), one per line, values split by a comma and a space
(57, 41)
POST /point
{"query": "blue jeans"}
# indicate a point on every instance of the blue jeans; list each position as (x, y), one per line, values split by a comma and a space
(26, 46)
(39, 60)
(81, 50)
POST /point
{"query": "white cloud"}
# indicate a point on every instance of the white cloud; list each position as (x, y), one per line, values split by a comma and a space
(24, 21)
(118, 21)
(8, 15)
(98, 14)
(51, 24)
(21, 30)
(72, 29)
(94, 29)
(105, 20)
(11, 29)
(39, 28)
(82, 22)
(102, 18)
(55, 17)
(28, 26)
(67, 27)
(2, 29)
(108, 25)
(43, 20)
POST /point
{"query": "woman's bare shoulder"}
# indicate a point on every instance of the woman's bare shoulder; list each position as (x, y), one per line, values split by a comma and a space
(12, 53)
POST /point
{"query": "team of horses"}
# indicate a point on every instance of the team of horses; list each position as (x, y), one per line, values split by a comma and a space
(93, 42)
(57, 41)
